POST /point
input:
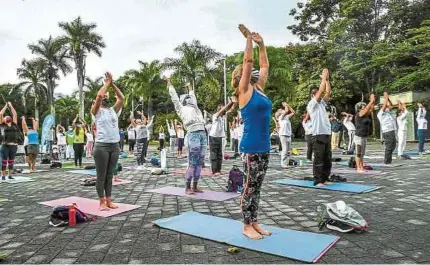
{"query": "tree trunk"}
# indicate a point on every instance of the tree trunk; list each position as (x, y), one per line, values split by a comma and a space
(150, 106)
(36, 108)
(80, 71)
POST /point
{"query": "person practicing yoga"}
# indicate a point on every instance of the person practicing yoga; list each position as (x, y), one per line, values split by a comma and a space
(10, 140)
(106, 149)
(402, 125)
(61, 141)
(90, 142)
(321, 130)
(362, 130)
(216, 135)
(388, 128)
(33, 141)
(181, 135)
(307, 126)
(336, 128)
(283, 117)
(256, 111)
(131, 138)
(79, 139)
(172, 136)
(422, 127)
(350, 127)
(140, 126)
(196, 138)
(161, 138)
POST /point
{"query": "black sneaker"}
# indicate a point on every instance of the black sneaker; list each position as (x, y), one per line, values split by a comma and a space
(3, 178)
(10, 177)
(338, 226)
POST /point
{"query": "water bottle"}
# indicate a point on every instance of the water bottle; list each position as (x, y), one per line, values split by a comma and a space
(72, 215)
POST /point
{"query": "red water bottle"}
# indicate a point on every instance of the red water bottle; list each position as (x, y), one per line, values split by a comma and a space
(72, 215)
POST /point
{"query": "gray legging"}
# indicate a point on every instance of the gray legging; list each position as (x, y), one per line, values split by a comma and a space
(106, 157)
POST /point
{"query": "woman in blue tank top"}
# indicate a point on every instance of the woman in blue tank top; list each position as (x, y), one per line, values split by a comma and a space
(33, 142)
(256, 109)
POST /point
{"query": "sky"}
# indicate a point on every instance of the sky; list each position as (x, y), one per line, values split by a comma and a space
(138, 29)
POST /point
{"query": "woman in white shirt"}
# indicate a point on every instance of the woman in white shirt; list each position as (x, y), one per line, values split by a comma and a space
(161, 138)
(61, 141)
(307, 126)
(349, 125)
(181, 135)
(106, 149)
(422, 127)
(283, 117)
(402, 132)
(90, 142)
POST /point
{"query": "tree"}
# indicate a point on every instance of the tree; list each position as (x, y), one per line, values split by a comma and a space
(81, 40)
(54, 57)
(92, 87)
(66, 109)
(33, 74)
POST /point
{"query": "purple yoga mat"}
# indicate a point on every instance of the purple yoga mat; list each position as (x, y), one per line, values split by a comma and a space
(349, 171)
(206, 195)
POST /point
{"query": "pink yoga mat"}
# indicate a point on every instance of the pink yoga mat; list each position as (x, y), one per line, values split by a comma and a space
(206, 195)
(90, 206)
(350, 171)
(205, 172)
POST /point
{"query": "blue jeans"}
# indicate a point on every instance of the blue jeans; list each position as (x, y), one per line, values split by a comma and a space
(421, 138)
(197, 145)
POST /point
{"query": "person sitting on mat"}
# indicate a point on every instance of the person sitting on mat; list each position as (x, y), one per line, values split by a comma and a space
(106, 149)
(10, 140)
(216, 135)
(388, 128)
(422, 127)
(349, 125)
(362, 130)
(33, 141)
(196, 138)
(283, 117)
(307, 126)
(321, 131)
(256, 111)
(402, 125)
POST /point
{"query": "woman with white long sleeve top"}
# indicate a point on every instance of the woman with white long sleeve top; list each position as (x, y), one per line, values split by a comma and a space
(402, 132)
(422, 127)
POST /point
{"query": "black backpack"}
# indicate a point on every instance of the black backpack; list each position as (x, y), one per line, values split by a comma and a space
(235, 179)
(292, 162)
(60, 216)
(56, 165)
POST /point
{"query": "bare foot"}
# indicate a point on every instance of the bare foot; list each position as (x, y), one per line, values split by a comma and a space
(260, 230)
(328, 183)
(249, 231)
(361, 170)
(189, 192)
(116, 179)
(111, 205)
(197, 190)
(320, 185)
(103, 207)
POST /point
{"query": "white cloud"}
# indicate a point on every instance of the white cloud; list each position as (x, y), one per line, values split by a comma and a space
(137, 30)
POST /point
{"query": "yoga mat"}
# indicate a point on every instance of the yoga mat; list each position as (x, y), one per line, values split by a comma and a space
(336, 186)
(205, 172)
(91, 172)
(348, 171)
(90, 206)
(27, 171)
(303, 246)
(345, 163)
(17, 179)
(206, 195)
(115, 183)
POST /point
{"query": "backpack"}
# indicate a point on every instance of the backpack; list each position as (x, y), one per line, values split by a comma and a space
(235, 179)
(292, 162)
(90, 181)
(340, 217)
(55, 165)
(119, 169)
(352, 163)
(90, 167)
(60, 216)
(46, 159)
(155, 161)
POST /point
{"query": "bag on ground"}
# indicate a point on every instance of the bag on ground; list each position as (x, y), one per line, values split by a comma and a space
(340, 217)
(352, 163)
(235, 179)
(60, 216)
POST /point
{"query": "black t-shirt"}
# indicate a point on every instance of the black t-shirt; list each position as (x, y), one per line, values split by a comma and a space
(10, 134)
(362, 125)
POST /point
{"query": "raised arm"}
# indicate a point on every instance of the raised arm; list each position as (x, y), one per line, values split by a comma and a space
(248, 60)
(168, 125)
(264, 61)
(151, 121)
(74, 121)
(24, 124)
(386, 101)
(224, 109)
(98, 102)
(119, 98)
(368, 108)
(421, 112)
(14, 115)
(322, 88)
(2, 113)
(174, 96)
(327, 95)
(35, 124)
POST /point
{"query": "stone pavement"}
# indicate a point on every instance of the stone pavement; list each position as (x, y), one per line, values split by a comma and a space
(398, 214)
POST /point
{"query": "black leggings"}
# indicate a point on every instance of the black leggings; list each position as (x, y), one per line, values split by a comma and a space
(215, 147)
(106, 157)
(8, 156)
(79, 149)
(161, 144)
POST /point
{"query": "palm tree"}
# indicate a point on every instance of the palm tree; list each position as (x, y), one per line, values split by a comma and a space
(81, 40)
(194, 62)
(92, 87)
(33, 74)
(66, 109)
(146, 81)
(54, 56)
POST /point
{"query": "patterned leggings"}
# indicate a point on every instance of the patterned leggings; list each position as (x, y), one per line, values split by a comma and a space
(197, 145)
(255, 166)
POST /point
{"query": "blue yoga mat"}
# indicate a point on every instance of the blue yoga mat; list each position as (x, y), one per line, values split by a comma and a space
(304, 246)
(91, 172)
(337, 186)
(345, 163)
(411, 153)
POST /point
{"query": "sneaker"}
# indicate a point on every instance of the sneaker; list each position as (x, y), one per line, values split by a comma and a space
(3, 178)
(338, 226)
(10, 177)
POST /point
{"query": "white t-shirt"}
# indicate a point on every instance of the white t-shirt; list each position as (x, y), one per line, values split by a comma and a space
(387, 121)
(25, 140)
(421, 119)
(131, 133)
(161, 136)
(319, 117)
(348, 124)
(284, 126)
(51, 135)
(217, 128)
(90, 137)
(402, 122)
(308, 127)
(107, 125)
(181, 134)
(239, 131)
(61, 139)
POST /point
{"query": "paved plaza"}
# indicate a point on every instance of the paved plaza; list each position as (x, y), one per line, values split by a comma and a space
(398, 214)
